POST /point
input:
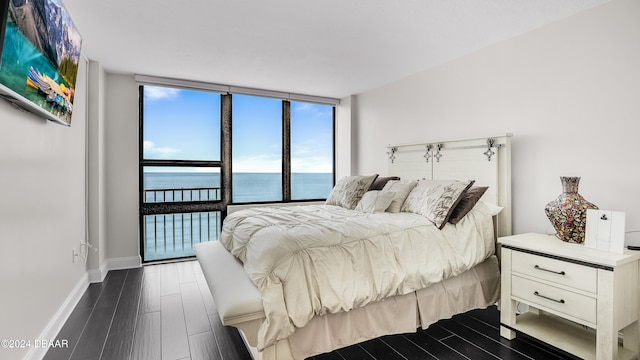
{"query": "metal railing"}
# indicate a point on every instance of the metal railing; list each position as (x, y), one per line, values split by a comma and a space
(168, 236)
(172, 235)
(181, 195)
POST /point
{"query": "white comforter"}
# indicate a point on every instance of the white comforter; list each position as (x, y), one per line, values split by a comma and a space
(317, 259)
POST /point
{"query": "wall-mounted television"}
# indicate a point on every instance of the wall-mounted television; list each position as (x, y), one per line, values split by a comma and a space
(39, 57)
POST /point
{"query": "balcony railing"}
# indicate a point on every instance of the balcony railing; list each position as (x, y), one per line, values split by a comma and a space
(182, 194)
(172, 235)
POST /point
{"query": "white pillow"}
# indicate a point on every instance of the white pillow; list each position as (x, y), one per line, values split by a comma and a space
(349, 190)
(493, 208)
(374, 201)
(401, 188)
(435, 199)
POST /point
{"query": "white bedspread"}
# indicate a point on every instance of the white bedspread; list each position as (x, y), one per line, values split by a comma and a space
(317, 259)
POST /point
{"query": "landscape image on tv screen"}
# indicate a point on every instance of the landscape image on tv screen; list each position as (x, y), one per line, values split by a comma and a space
(40, 55)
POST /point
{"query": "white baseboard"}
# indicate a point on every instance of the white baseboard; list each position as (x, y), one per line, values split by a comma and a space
(92, 276)
(60, 317)
(98, 275)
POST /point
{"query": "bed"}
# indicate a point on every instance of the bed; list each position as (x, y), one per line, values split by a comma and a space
(303, 280)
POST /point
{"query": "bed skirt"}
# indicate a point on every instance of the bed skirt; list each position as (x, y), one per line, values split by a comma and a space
(239, 305)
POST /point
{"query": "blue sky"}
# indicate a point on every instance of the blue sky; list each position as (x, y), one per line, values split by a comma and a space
(184, 124)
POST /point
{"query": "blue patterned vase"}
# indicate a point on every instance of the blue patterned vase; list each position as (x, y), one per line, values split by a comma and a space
(568, 213)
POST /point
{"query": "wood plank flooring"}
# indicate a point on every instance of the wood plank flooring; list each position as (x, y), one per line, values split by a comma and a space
(166, 312)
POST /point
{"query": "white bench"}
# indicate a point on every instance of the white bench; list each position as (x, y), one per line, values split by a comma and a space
(236, 298)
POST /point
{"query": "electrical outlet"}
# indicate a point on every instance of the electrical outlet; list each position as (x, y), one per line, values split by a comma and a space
(73, 255)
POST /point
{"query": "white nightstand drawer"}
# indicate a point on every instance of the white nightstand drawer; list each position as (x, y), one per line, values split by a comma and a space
(563, 301)
(558, 271)
(571, 286)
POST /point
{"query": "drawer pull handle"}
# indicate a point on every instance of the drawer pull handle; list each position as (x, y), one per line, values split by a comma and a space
(547, 270)
(561, 301)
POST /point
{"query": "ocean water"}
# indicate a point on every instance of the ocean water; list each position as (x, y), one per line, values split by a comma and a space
(173, 235)
(247, 187)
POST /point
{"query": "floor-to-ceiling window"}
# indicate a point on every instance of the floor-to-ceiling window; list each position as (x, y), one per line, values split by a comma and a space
(282, 150)
(257, 149)
(201, 151)
(180, 170)
(312, 169)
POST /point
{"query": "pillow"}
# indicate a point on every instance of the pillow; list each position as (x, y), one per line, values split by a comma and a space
(435, 199)
(375, 201)
(349, 190)
(493, 208)
(381, 181)
(467, 201)
(400, 188)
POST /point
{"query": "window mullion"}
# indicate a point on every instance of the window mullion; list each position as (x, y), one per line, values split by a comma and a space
(286, 151)
(225, 151)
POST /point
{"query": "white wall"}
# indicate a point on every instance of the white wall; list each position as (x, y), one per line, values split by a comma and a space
(569, 92)
(42, 217)
(96, 170)
(343, 137)
(121, 153)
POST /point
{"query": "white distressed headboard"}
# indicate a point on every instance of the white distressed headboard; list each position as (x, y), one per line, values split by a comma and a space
(485, 160)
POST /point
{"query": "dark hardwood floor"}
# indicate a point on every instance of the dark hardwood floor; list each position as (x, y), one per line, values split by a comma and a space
(166, 312)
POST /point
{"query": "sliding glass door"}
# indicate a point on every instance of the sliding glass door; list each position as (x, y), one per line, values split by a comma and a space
(181, 193)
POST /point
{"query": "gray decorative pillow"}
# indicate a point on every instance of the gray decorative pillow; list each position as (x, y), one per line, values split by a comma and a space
(467, 201)
(401, 188)
(381, 181)
(435, 199)
(374, 201)
(349, 190)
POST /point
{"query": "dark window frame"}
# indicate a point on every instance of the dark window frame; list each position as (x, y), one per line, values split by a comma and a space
(184, 207)
(286, 159)
(224, 164)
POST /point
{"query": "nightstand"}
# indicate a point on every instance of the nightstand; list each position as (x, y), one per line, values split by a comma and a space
(579, 299)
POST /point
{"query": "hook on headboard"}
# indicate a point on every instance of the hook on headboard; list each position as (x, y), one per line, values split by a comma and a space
(438, 154)
(392, 153)
(489, 153)
(427, 155)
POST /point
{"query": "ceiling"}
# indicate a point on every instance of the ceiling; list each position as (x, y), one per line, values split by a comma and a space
(331, 48)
